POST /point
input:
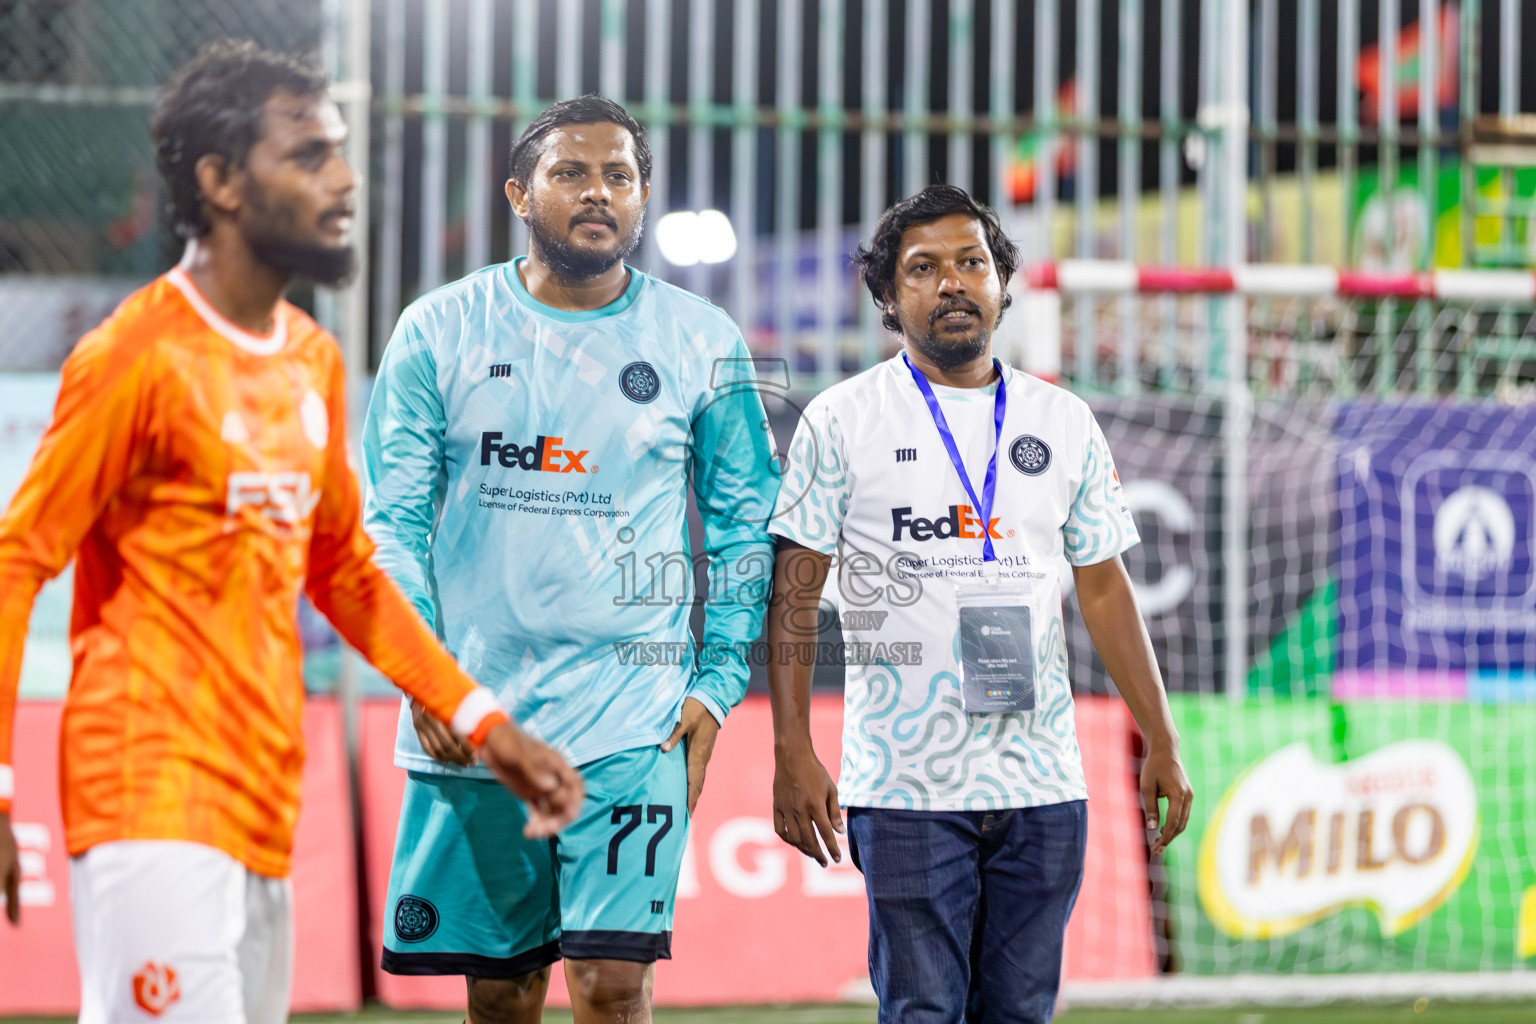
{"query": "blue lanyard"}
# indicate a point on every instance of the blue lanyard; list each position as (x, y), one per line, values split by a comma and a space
(983, 506)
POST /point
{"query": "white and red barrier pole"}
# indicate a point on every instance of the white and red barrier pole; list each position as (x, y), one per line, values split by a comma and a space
(1033, 341)
(1115, 277)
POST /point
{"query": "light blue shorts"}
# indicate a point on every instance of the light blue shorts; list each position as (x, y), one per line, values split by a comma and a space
(469, 895)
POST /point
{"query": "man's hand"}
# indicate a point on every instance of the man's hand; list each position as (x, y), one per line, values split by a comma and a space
(699, 728)
(1163, 775)
(539, 776)
(805, 803)
(10, 869)
(436, 739)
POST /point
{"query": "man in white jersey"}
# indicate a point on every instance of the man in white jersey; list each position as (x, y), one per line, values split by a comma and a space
(948, 488)
(530, 446)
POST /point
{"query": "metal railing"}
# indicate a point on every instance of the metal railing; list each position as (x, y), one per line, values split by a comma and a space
(1149, 130)
(1098, 128)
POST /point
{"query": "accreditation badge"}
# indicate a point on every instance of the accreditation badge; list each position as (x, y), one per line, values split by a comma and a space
(997, 648)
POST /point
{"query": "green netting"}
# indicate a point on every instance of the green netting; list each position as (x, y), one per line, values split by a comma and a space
(78, 190)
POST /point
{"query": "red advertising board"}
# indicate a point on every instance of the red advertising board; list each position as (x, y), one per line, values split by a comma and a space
(1110, 934)
(37, 960)
(757, 922)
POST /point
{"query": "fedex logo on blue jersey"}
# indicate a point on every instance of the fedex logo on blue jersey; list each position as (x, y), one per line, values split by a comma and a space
(543, 456)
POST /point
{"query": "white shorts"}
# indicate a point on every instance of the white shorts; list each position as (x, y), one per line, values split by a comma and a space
(174, 931)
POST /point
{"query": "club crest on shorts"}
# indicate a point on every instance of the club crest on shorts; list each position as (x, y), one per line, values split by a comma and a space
(1030, 455)
(639, 382)
(155, 988)
(415, 919)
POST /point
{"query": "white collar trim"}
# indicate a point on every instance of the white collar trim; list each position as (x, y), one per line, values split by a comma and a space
(252, 343)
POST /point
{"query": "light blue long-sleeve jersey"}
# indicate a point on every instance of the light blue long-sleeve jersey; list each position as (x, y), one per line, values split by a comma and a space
(528, 472)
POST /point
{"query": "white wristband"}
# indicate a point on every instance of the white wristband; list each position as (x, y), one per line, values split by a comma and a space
(7, 782)
(477, 703)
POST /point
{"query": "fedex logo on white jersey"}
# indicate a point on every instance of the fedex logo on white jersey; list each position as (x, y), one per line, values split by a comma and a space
(962, 521)
(283, 497)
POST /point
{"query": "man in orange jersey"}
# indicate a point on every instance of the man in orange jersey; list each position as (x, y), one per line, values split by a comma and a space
(196, 467)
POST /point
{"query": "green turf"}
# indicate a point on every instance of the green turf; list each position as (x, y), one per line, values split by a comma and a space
(1434, 1012)
(1402, 1013)
(753, 1015)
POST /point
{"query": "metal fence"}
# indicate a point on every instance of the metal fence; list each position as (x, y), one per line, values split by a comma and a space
(77, 177)
(1168, 131)
(1173, 132)
(802, 120)
(80, 202)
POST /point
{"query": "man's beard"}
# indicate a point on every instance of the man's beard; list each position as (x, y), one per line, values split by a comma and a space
(327, 266)
(572, 264)
(274, 240)
(951, 355)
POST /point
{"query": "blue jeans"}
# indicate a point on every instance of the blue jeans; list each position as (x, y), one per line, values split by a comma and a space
(967, 910)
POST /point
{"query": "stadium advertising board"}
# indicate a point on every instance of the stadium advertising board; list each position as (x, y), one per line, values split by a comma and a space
(1296, 839)
(1168, 452)
(1394, 230)
(1437, 551)
(1366, 837)
(756, 921)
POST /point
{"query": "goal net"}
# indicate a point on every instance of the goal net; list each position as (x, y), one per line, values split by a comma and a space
(1366, 786)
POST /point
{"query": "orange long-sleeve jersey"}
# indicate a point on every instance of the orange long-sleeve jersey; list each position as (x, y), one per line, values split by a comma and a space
(199, 474)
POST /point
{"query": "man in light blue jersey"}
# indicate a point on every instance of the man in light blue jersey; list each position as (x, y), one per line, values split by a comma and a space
(529, 448)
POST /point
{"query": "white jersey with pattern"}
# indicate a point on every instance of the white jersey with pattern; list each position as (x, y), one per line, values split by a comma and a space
(870, 483)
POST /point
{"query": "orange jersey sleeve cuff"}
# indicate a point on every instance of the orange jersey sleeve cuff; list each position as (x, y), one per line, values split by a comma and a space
(489, 722)
(7, 787)
(478, 713)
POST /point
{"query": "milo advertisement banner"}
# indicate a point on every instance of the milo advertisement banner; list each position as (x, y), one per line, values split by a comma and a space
(1384, 836)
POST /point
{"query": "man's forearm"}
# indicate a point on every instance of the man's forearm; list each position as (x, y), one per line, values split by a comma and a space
(371, 614)
(18, 590)
(799, 574)
(733, 621)
(1108, 607)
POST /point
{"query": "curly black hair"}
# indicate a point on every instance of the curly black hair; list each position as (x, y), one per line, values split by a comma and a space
(589, 109)
(212, 104)
(877, 263)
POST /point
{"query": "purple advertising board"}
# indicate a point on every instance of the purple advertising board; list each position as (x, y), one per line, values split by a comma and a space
(1436, 551)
